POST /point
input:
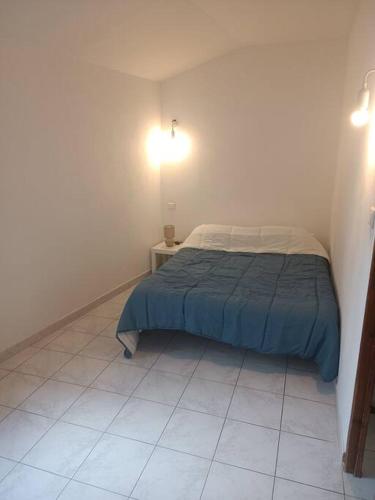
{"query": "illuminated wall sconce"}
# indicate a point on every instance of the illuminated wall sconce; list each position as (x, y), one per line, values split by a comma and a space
(173, 126)
(175, 145)
(168, 146)
(361, 115)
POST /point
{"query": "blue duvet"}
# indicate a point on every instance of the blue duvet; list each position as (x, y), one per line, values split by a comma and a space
(272, 303)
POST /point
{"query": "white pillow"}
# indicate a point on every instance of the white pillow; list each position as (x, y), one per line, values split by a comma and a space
(261, 239)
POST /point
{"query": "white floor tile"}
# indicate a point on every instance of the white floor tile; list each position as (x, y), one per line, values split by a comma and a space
(225, 482)
(4, 411)
(81, 370)
(309, 418)
(364, 487)
(6, 466)
(14, 361)
(162, 387)
(287, 490)
(181, 361)
(19, 431)
(248, 446)
(95, 409)
(220, 366)
(62, 449)
(44, 363)
(115, 464)
(16, 387)
(48, 338)
(256, 407)
(309, 461)
(111, 310)
(103, 348)
(112, 303)
(110, 330)
(52, 399)
(70, 341)
(27, 483)
(141, 420)
(310, 386)
(170, 475)
(207, 396)
(264, 377)
(79, 491)
(142, 358)
(120, 378)
(192, 432)
(122, 297)
(149, 349)
(92, 325)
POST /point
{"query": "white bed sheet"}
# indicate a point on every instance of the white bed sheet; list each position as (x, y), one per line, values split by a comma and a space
(261, 239)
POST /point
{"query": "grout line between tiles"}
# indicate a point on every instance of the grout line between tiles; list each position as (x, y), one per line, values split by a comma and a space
(86, 387)
(51, 418)
(19, 364)
(169, 419)
(178, 451)
(181, 452)
(115, 416)
(222, 428)
(55, 420)
(162, 371)
(278, 442)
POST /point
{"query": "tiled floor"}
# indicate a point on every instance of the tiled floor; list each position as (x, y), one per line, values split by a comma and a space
(185, 419)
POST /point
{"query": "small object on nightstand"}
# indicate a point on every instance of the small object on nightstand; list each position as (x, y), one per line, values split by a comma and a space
(160, 253)
(169, 235)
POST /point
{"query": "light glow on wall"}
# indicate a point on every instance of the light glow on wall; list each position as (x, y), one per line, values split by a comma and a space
(360, 117)
(167, 146)
(153, 147)
(174, 149)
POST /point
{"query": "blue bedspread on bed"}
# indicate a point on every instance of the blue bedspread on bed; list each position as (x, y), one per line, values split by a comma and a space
(272, 303)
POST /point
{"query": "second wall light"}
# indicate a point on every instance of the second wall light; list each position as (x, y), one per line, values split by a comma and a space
(361, 115)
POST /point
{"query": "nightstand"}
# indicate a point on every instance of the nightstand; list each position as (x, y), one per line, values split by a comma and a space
(160, 253)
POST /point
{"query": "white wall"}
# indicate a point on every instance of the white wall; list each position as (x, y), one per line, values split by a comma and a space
(79, 203)
(264, 125)
(352, 239)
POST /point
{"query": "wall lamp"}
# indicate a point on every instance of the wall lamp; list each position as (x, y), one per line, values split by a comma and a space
(361, 115)
(173, 126)
(175, 145)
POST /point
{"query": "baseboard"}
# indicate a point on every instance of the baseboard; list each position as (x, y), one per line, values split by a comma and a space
(65, 320)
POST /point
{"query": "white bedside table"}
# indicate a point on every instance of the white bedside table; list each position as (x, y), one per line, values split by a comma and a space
(160, 253)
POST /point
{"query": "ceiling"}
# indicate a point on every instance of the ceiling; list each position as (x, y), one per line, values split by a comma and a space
(157, 39)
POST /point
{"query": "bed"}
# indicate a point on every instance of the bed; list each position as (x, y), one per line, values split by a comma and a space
(268, 289)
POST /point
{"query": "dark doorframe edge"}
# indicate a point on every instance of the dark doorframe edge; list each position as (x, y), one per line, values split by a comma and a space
(364, 385)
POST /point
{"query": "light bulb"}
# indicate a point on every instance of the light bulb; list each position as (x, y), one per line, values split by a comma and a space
(360, 117)
(176, 148)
